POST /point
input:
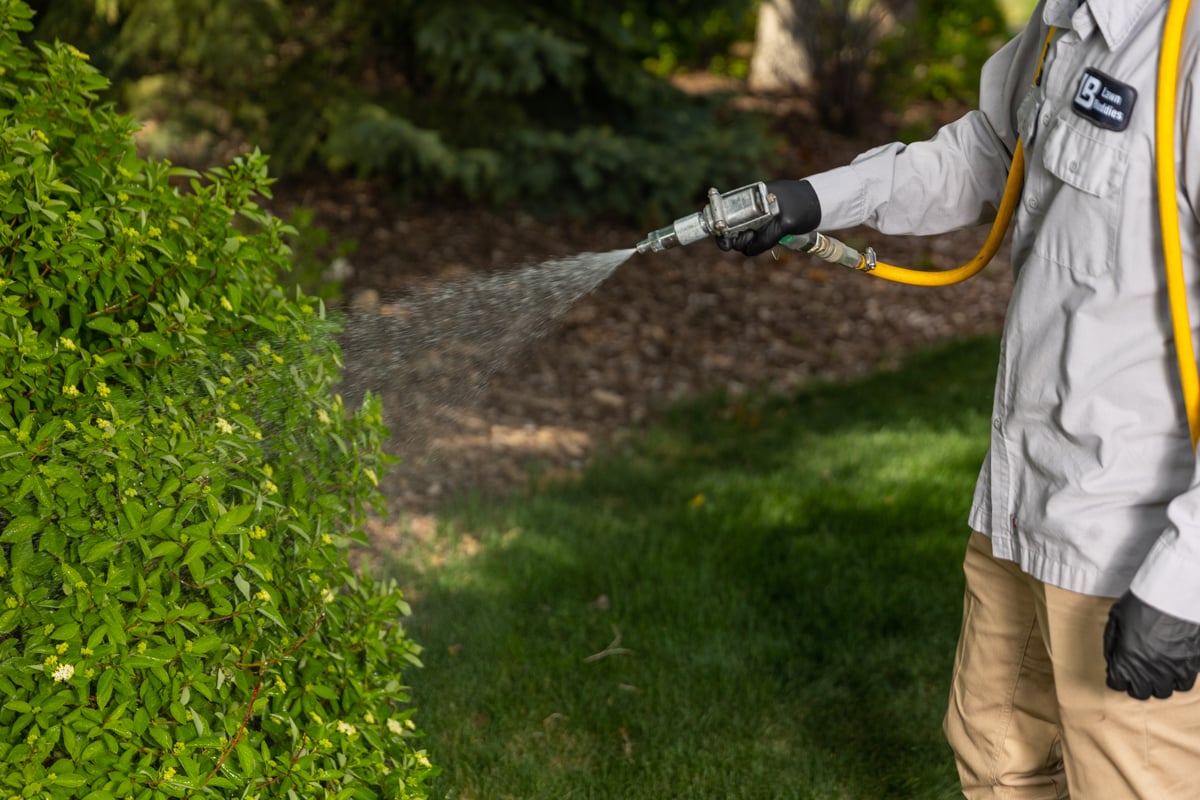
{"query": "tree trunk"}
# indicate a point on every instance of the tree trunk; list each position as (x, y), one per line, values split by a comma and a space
(780, 62)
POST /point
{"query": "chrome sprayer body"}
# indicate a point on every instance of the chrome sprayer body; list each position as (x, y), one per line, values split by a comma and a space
(741, 209)
(749, 208)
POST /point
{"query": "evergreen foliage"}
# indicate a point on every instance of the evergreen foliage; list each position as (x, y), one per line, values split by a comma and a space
(179, 484)
(533, 103)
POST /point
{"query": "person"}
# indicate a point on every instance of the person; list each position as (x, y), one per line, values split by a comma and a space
(1080, 640)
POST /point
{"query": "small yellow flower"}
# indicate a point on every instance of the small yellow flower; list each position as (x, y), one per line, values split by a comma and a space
(190, 257)
(369, 718)
(122, 197)
(102, 389)
(70, 391)
(75, 51)
(346, 728)
(696, 501)
(323, 417)
(66, 343)
(154, 232)
(51, 662)
(395, 727)
(62, 648)
(225, 304)
(269, 487)
(258, 532)
(223, 426)
(263, 595)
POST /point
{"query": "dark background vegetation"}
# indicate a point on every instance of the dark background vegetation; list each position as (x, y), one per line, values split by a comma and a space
(556, 107)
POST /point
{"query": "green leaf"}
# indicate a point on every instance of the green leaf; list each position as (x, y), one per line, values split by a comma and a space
(106, 325)
(232, 518)
(104, 687)
(155, 343)
(97, 551)
(21, 529)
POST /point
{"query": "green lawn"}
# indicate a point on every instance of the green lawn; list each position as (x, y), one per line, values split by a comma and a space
(780, 583)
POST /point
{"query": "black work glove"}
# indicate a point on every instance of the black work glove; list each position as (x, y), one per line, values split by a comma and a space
(1149, 652)
(799, 212)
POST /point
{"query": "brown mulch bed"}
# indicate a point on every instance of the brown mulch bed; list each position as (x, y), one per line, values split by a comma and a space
(662, 327)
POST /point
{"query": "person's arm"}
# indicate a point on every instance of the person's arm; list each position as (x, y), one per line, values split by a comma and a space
(952, 180)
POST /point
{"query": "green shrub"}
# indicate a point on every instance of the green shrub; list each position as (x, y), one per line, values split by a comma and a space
(179, 484)
(939, 51)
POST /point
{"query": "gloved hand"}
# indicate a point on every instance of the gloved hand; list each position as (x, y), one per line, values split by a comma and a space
(1149, 652)
(799, 212)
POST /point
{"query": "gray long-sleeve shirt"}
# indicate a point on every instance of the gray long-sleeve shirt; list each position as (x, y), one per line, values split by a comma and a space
(1090, 483)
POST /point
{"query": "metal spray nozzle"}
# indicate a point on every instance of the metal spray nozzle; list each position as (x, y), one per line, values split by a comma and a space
(741, 209)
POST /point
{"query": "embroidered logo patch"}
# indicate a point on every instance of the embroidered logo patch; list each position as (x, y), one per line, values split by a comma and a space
(1104, 100)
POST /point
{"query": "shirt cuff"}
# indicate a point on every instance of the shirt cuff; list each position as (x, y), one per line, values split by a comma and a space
(1169, 578)
(842, 195)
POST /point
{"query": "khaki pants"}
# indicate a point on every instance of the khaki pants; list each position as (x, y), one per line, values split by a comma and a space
(1030, 717)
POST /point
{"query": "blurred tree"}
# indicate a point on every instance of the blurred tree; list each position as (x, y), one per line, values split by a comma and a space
(542, 103)
(846, 53)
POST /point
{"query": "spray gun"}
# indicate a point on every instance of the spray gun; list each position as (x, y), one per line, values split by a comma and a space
(745, 209)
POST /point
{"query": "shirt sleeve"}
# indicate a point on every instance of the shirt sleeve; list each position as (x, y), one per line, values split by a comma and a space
(952, 180)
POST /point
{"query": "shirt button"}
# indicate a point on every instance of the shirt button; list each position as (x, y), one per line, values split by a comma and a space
(1033, 203)
(1073, 166)
(996, 423)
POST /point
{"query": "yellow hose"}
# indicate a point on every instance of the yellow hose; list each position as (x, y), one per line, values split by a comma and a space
(1168, 210)
(1008, 204)
(1004, 214)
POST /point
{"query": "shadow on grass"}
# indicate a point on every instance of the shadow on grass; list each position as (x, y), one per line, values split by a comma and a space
(758, 598)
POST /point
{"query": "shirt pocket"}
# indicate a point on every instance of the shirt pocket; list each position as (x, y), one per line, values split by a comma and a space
(1082, 196)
